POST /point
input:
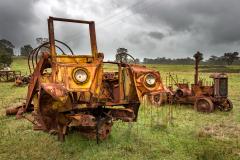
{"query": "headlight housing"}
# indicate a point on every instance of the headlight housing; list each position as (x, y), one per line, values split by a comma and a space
(150, 80)
(80, 75)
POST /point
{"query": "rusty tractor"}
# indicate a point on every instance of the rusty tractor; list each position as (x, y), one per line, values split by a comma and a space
(74, 91)
(204, 97)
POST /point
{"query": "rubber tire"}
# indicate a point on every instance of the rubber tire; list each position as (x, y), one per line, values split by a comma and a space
(208, 101)
(230, 106)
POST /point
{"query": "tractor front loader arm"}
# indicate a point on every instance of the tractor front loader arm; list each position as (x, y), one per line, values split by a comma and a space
(32, 88)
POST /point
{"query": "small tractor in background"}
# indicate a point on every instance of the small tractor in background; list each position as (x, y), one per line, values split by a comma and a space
(74, 91)
(205, 97)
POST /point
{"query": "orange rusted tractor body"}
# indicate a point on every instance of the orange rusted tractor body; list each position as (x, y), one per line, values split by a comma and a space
(75, 91)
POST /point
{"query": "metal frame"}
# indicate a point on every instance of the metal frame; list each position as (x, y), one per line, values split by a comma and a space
(92, 32)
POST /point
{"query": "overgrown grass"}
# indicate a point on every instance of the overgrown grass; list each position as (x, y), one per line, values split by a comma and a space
(156, 135)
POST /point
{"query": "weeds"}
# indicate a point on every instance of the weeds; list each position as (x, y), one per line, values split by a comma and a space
(159, 133)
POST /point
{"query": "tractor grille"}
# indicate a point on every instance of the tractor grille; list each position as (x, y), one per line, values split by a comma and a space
(223, 89)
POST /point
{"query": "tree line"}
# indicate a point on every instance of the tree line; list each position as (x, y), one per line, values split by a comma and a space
(7, 52)
(226, 59)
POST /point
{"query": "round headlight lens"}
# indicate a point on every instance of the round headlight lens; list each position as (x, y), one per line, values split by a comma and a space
(150, 79)
(81, 76)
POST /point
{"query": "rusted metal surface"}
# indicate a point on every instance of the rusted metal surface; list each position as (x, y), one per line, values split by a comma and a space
(22, 80)
(74, 91)
(12, 110)
(160, 98)
(204, 97)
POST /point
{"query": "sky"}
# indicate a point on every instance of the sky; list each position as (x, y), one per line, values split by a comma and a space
(147, 28)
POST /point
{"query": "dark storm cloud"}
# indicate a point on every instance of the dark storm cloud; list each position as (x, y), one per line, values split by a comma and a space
(155, 27)
(16, 19)
(217, 20)
(156, 35)
(135, 38)
(22, 22)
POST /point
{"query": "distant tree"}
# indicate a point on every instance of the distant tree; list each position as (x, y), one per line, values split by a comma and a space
(7, 46)
(5, 59)
(213, 58)
(6, 52)
(164, 60)
(230, 57)
(121, 55)
(227, 58)
(25, 50)
(198, 56)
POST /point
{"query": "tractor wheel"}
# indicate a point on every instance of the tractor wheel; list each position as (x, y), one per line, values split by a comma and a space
(204, 105)
(226, 105)
(45, 115)
(100, 132)
(179, 93)
(104, 130)
(51, 120)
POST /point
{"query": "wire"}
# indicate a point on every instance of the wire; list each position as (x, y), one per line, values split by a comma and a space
(129, 15)
(118, 21)
(124, 9)
(107, 20)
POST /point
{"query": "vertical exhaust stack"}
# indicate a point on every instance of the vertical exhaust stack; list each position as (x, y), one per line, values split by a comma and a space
(198, 57)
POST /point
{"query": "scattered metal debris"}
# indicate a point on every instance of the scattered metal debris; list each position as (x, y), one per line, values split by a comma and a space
(7, 75)
(22, 80)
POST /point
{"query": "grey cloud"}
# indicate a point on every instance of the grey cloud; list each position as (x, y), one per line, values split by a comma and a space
(140, 44)
(182, 27)
(156, 35)
(21, 23)
(219, 20)
(135, 38)
(16, 19)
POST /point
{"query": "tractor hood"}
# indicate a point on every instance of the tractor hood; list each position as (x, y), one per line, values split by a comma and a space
(146, 80)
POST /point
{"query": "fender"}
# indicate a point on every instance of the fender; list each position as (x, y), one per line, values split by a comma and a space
(139, 73)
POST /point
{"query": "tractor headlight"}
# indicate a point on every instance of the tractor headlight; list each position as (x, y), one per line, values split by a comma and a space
(80, 75)
(150, 80)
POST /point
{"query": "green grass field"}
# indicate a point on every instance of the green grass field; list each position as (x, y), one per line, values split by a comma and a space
(187, 135)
